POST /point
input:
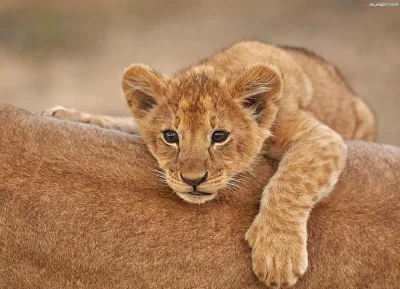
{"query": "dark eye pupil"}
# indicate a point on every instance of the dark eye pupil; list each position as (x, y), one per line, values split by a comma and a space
(170, 136)
(219, 136)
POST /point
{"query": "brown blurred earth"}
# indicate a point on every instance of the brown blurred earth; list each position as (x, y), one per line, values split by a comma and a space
(72, 53)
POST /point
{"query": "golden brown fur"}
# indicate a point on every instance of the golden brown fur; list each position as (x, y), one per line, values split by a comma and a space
(283, 102)
(81, 207)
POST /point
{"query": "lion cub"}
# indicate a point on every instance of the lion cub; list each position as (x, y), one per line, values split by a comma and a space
(208, 123)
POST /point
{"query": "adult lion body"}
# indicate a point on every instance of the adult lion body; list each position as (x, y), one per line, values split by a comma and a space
(81, 207)
(207, 124)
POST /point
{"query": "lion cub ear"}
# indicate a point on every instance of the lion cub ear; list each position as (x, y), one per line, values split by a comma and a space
(259, 89)
(143, 89)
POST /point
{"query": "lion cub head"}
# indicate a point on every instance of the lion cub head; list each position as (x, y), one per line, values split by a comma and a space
(204, 127)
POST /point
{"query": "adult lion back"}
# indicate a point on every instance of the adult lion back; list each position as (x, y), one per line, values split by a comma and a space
(81, 207)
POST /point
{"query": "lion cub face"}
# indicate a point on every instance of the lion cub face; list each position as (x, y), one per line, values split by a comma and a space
(203, 128)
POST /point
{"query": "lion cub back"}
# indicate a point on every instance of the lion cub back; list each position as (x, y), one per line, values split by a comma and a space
(310, 83)
(333, 101)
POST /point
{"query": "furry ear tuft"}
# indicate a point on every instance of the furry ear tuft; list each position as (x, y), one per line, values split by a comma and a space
(143, 89)
(259, 89)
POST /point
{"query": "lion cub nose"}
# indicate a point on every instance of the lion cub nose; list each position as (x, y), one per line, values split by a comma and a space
(195, 182)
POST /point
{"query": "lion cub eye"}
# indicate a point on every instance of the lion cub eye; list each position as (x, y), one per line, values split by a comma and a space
(219, 136)
(170, 136)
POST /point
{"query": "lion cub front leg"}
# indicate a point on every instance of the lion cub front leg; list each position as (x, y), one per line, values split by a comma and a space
(313, 158)
(126, 124)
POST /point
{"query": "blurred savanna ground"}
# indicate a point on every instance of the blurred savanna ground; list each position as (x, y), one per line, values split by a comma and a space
(72, 53)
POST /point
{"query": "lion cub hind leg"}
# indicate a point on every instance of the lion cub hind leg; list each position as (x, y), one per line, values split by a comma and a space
(366, 127)
(313, 158)
(125, 124)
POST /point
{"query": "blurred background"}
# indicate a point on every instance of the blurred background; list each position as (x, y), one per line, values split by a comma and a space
(72, 53)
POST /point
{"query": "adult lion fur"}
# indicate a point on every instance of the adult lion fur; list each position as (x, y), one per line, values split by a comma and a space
(82, 207)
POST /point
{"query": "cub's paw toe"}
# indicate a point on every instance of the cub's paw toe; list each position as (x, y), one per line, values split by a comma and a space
(278, 259)
(54, 111)
(277, 269)
(251, 235)
(64, 113)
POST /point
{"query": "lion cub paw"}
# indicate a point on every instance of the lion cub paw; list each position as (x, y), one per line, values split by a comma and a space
(64, 113)
(279, 256)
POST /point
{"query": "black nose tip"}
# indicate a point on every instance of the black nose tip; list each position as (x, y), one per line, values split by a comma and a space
(194, 183)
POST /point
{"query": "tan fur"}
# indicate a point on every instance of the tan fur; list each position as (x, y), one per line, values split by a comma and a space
(82, 207)
(125, 124)
(286, 101)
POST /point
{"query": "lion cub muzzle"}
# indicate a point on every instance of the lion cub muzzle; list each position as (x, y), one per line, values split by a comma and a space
(194, 183)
